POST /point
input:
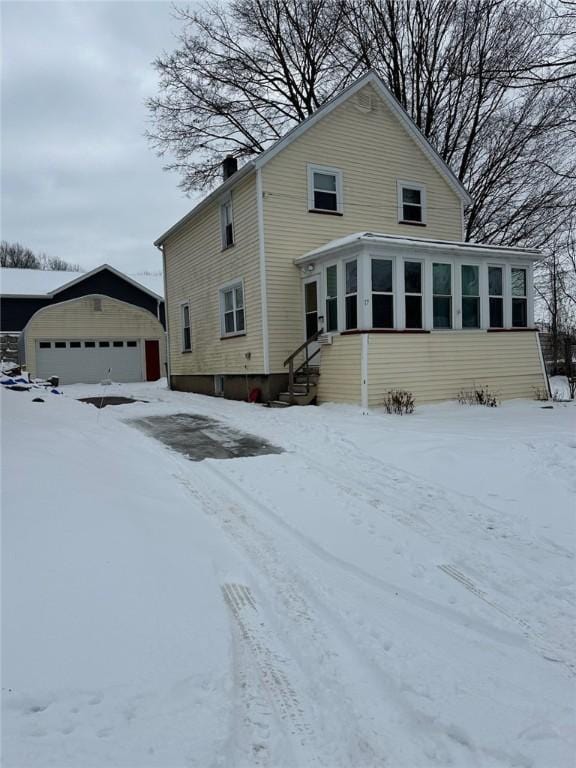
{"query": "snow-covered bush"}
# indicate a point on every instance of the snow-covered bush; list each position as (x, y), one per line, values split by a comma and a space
(398, 401)
(478, 396)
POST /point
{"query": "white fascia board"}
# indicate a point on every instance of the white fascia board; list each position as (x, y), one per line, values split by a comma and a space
(220, 190)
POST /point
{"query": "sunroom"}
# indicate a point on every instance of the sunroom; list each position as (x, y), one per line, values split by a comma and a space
(426, 315)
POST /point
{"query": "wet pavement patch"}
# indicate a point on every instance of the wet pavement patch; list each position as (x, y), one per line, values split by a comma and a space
(102, 402)
(200, 437)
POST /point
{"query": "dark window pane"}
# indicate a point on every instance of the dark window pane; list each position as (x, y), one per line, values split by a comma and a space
(382, 275)
(75, 344)
(442, 312)
(60, 344)
(89, 344)
(239, 297)
(382, 311)
(332, 282)
(496, 313)
(351, 312)
(240, 320)
(442, 274)
(495, 281)
(470, 312)
(45, 345)
(412, 277)
(103, 343)
(117, 343)
(229, 322)
(412, 196)
(325, 201)
(519, 313)
(470, 284)
(229, 235)
(311, 324)
(518, 282)
(413, 312)
(310, 297)
(411, 213)
(187, 341)
(351, 277)
(131, 343)
(332, 314)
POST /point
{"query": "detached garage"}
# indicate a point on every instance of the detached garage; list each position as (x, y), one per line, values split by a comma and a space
(94, 338)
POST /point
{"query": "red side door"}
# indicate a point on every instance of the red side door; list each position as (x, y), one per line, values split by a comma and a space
(152, 359)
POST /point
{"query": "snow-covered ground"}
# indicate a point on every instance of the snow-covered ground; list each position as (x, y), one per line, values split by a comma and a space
(389, 591)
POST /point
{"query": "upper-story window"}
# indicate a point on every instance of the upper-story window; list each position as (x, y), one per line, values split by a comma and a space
(470, 296)
(227, 223)
(411, 203)
(519, 298)
(324, 189)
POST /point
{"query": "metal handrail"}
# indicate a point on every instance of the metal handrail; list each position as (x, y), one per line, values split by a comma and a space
(290, 362)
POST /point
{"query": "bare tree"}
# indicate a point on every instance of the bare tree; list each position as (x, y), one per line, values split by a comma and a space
(16, 255)
(489, 82)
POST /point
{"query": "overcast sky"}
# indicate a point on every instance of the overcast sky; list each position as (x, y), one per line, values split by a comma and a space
(79, 180)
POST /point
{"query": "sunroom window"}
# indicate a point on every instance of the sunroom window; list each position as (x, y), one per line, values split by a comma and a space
(442, 295)
(332, 298)
(382, 294)
(496, 297)
(232, 308)
(519, 298)
(413, 293)
(351, 269)
(470, 296)
(324, 189)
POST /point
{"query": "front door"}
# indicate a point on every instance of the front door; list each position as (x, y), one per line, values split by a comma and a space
(312, 319)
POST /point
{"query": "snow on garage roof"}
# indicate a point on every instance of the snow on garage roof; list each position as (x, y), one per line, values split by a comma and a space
(39, 282)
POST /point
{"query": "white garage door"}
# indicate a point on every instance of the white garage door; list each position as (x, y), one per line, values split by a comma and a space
(89, 361)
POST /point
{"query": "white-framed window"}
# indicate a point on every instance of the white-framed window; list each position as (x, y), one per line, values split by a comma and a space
(411, 203)
(519, 283)
(351, 294)
(470, 288)
(186, 327)
(413, 279)
(382, 284)
(442, 295)
(232, 309)
(332, 298)
(324, 189)
(496, 296)
(227, 223)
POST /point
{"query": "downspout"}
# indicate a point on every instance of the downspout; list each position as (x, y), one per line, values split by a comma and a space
(167, 332)
(262, 262)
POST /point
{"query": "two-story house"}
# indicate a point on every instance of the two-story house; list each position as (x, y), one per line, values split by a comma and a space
(346, 237)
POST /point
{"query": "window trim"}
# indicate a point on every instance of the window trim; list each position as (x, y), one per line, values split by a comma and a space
(239, 283)
(183, 347)
(329, 170)
(400, 187)
(224, 203)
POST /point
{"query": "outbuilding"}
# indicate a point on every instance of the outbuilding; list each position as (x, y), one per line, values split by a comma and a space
(85, 327)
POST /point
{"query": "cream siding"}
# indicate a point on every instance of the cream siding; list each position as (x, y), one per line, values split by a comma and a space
(373, 151)
(196, 268)
(436, 366)
(341, 369)
(77, 319)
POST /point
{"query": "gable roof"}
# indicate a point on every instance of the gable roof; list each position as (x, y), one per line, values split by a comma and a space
(294, 133)
(39, 283)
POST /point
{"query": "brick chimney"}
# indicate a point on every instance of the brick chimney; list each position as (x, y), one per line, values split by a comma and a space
(229, 166)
